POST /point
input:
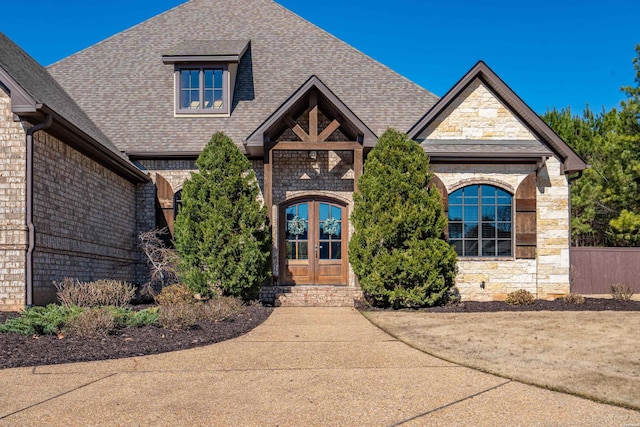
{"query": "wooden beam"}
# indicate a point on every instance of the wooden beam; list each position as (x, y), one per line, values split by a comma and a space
(268, 178)
(326, 133)
(358, 166)
(313, 116)
(317, 146)
(296, 129)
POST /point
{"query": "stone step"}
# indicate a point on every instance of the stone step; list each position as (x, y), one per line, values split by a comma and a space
(310, 296)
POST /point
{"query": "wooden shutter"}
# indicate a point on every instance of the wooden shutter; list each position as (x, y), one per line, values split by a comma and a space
(437, 183)
(526, 223)
(165, 199)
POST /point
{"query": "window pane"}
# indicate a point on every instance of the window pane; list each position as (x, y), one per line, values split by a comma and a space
(488, 191)
(291, 212)
(195, 78)
(455, 213)
(504, 213)
(470, 213)
(336, 250)
(336, 212)
(217, 98)
(291, 250)
(195, 99)
(324, 211)
(457, 246)
(455, 231)
(470, 230)
(185, 99)
(302, 250)
(208, 99)
(488, 231)
(504, 247)
(488, 248)
(504, 230)
(324, 250)
(504, 198)
(488, 213)
(323, 234)
(455, 198)
(471, 191)
(303, 211)
(208, 79)
(218, 79)
(471, 248)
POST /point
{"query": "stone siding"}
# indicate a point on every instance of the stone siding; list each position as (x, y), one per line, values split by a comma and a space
(477, 115)
(13, 230)
(85, 219)
(548, 275)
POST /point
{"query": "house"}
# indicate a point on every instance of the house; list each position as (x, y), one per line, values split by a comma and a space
(305, 108)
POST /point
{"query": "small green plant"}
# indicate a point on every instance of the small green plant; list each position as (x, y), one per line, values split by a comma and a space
(94, 294)
(573, 298)
(520, 297)
(48, 320)
(92, 323)
(178, 316)
(177, 294)
(146, 317)
(221, 308)
(621, 292)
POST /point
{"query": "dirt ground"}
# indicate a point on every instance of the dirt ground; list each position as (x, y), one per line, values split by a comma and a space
(594, 354)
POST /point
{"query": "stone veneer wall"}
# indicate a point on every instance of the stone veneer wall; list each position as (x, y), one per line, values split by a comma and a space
(548, 275)
(13, 230)
(85, 219)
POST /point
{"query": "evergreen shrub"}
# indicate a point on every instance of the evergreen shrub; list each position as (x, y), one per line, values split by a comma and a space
(397, 250)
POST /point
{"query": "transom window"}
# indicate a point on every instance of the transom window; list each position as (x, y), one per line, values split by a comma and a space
(480, 221)
(201, 90)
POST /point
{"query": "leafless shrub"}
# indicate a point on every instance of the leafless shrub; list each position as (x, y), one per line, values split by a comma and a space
(94, 294)
(178, 316)
(573, 298)
(221, 308)
(175, 294)
(92, 323)
(162, 261)
(621, 292)
(520, 297)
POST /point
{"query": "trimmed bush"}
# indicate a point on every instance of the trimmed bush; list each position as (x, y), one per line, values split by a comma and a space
(573, 298)
(92, 323)
(175, 294)
(178, 316)
(221, 308)
(99, 293)
(520, 297)
(221, 232)
(397, 250)
(621, 292)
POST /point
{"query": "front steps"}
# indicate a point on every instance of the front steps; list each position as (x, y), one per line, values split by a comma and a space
(310, 296)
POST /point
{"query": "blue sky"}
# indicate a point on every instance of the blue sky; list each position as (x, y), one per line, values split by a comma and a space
(551, 52)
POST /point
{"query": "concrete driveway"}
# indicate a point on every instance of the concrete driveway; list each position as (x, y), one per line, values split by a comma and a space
(303, 366)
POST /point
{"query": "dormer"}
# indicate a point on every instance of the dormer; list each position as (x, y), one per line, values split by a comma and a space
(205, 75)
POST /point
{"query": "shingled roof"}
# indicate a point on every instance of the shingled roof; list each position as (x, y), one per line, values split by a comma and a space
(39, 92)
(124, 86)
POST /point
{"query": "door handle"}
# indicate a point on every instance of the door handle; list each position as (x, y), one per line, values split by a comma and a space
(316, 251)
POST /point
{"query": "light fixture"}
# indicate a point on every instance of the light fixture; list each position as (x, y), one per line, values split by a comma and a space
(313, 154)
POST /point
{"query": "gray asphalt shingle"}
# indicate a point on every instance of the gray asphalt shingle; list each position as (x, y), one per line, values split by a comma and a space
(128, 91)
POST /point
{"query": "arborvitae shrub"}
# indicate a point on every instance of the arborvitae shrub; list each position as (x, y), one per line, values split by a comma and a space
(221, 232)
(397, 250)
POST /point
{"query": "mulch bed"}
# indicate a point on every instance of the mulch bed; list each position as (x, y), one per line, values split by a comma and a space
(18, 350)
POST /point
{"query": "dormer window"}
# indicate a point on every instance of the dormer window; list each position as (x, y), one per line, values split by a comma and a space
(202, 90)
(205, 74)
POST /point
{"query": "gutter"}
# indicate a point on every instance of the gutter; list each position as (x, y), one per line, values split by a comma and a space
(30, 226)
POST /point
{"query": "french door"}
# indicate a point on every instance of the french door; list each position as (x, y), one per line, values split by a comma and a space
(313, 243)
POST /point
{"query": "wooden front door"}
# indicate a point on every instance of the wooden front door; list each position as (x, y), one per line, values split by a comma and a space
(313, 243)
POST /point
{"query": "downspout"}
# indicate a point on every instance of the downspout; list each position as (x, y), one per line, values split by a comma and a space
(30, 226)
(569, 181)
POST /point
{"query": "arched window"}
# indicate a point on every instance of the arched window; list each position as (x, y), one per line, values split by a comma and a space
(480, 221)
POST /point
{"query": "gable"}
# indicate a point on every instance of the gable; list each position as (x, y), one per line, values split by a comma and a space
(477, 114)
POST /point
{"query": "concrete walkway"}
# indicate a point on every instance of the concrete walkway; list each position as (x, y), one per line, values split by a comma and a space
(303, 366)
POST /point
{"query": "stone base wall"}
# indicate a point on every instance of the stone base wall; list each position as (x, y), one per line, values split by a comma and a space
(547, 276)
(13, 230)
(85, 219)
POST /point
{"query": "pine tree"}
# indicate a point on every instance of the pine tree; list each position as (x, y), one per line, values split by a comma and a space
(397, 251)
(221, 232)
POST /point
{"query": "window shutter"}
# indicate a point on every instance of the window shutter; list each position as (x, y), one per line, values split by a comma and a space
(444, 196)
(526, 223)
(165, 199)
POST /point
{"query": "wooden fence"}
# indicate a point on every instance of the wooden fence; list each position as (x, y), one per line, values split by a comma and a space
(594, 270)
